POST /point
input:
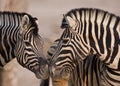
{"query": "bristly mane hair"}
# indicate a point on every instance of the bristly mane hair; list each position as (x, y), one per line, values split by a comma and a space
(32, 19)
(91, 10)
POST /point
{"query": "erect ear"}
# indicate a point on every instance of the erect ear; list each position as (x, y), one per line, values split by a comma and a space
(25, 22)
(36, 20)
(67, 22)
(71, 21)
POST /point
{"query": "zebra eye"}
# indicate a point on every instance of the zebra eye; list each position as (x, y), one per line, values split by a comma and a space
(65, 41)
(27, 42)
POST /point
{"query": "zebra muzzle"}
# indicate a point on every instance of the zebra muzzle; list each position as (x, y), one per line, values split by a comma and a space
(42, 72)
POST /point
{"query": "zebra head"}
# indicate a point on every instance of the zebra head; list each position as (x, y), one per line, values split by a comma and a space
(69, 50)
(29, 48)
(63, 60)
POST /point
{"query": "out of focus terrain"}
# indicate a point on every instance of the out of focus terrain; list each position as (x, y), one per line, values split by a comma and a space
(49, 14)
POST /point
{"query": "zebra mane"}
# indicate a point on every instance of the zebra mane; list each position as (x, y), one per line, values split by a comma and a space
(21, 14)
(91, 10)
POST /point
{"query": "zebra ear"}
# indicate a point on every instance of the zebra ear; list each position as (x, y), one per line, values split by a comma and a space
(71, 21)
(24, 22)
(67, 22)
(36, 20)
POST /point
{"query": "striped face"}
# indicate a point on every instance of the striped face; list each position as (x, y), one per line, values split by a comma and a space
(63, 60)
(70, 47)
(29, 49)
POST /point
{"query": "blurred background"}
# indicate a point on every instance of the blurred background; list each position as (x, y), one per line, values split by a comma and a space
(49, 14)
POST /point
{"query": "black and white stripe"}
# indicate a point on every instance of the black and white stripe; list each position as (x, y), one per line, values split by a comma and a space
(88, 72)
(88, 31)
(19, 38)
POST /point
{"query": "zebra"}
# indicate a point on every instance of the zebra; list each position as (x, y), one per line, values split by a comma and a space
(88, 31)
(84, 73)
(19, 39)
